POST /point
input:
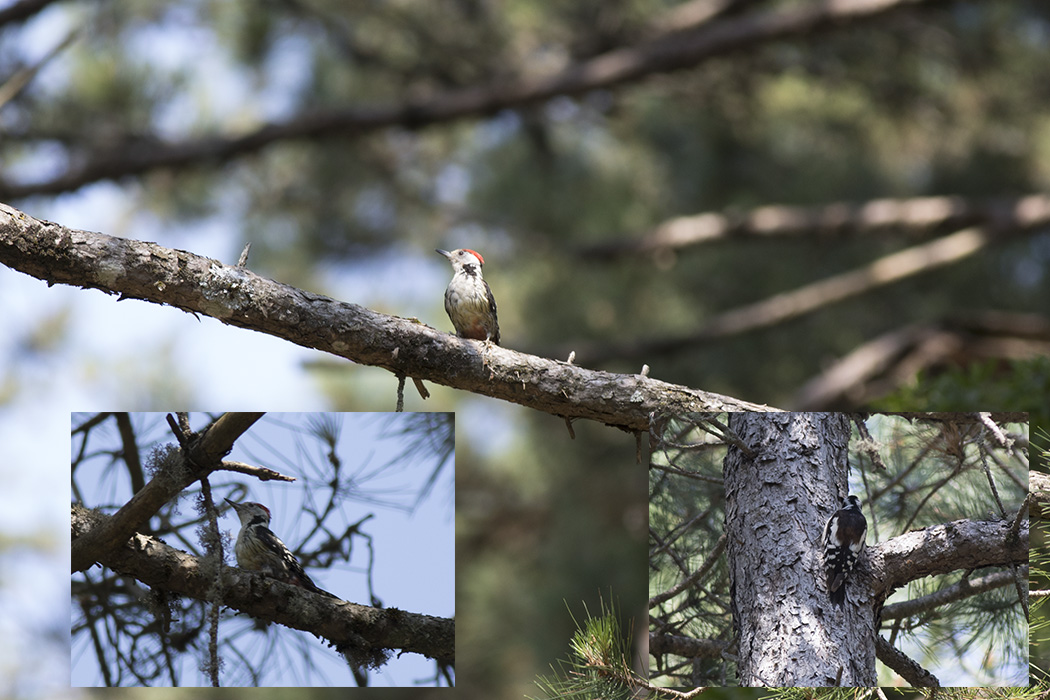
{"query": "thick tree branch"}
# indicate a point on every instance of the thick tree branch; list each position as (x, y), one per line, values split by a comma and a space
(237, 297)
(156, 564)
(958, 545)
(668, 52)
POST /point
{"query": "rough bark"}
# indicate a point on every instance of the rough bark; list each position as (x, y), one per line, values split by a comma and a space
(940, 549)
(788, 632)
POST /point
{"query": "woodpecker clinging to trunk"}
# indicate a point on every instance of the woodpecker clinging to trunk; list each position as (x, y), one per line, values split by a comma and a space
(258, 549)
(843, 540)
(468, 299)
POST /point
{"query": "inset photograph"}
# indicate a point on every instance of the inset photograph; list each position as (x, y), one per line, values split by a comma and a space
(263, 549)
(834, 549)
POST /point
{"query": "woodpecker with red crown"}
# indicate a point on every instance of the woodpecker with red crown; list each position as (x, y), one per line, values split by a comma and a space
(258, 549)
(468, 299)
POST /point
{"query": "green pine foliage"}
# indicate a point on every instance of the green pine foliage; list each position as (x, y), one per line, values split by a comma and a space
(598, 665)
(1019, 385)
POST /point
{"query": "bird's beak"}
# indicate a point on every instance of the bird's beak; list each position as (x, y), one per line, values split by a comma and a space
(443, 252)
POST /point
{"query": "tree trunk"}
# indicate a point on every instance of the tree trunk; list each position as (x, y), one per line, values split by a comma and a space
(777, 501)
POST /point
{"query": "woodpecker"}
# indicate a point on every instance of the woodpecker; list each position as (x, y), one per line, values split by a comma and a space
(258, 549)
(843, 541)
(468, 299)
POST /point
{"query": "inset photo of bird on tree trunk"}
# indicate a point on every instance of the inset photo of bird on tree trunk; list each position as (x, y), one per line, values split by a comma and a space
(263, 549)
(832, 549)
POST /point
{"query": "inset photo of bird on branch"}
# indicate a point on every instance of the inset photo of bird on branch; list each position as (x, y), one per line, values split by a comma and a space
(832, 549)
(263, 549)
